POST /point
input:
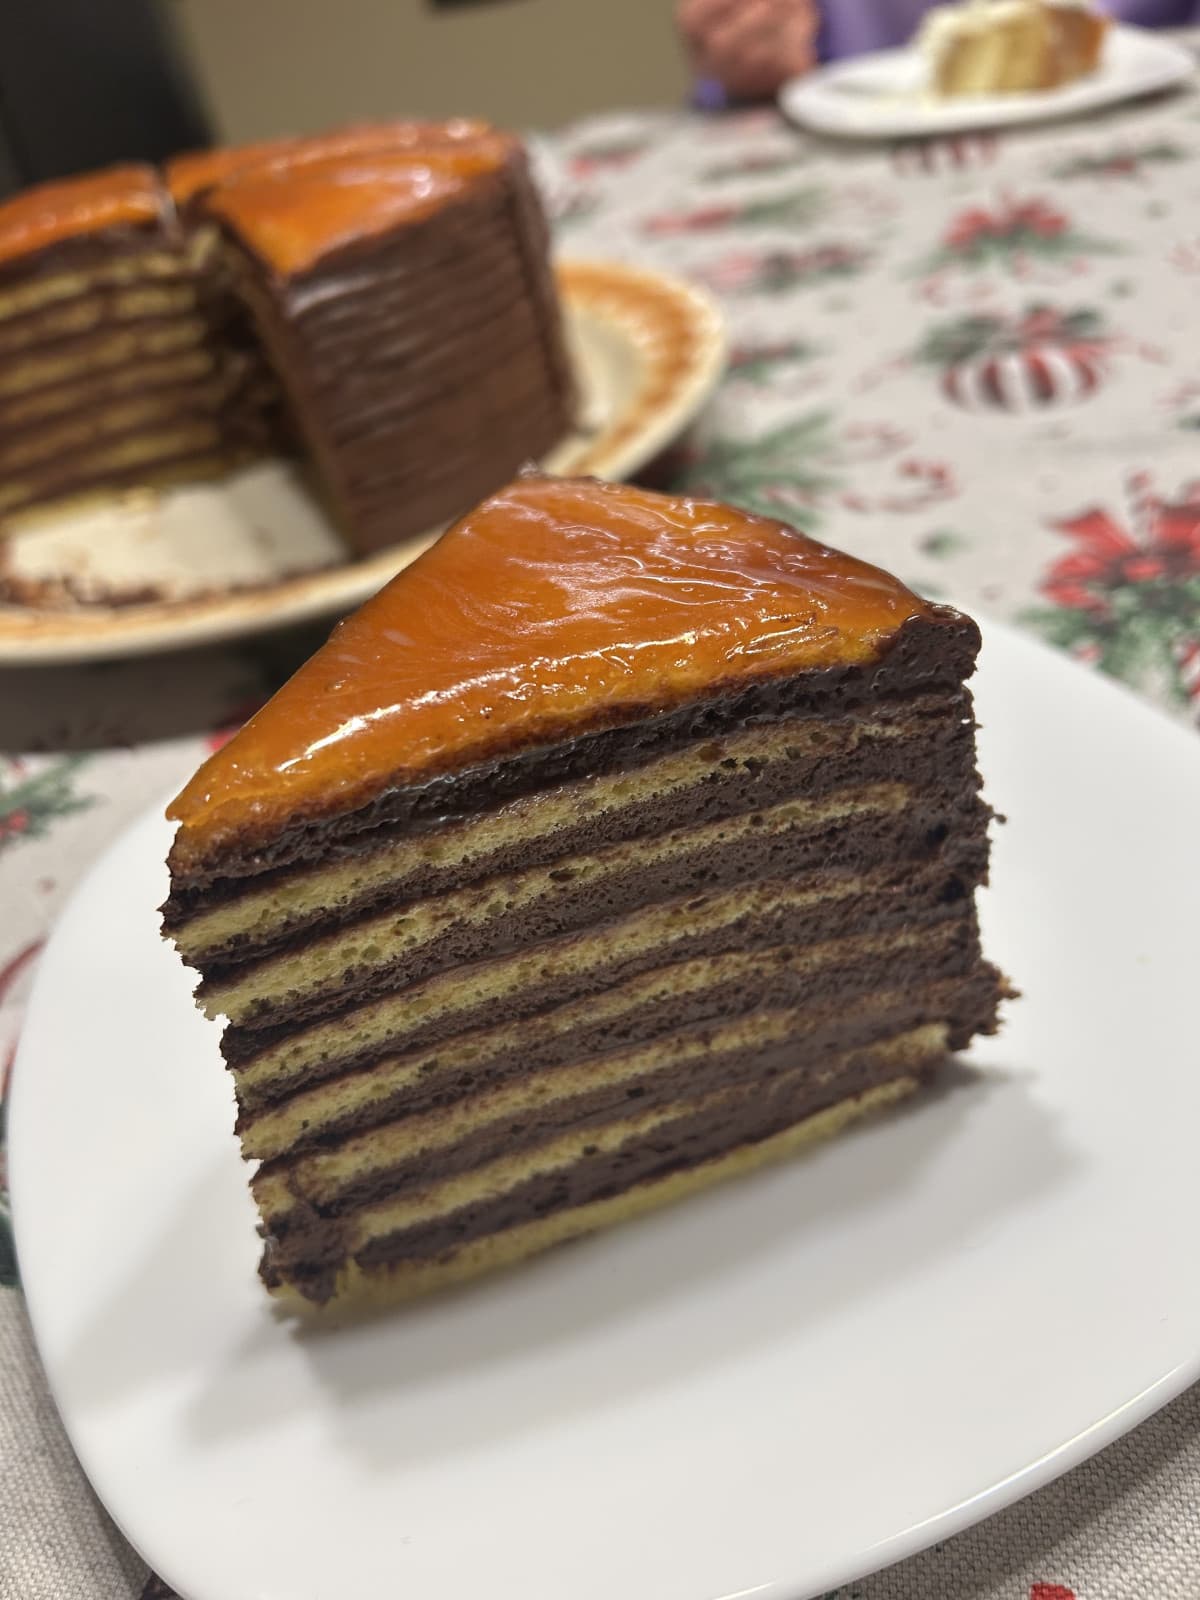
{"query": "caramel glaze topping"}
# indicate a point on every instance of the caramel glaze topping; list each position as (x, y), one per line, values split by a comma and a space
(294, 211)
(192, 175)
(130, 196)
(556, 607)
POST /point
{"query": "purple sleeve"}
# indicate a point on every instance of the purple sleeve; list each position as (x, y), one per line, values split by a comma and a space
(850, 27)
(1154, 13)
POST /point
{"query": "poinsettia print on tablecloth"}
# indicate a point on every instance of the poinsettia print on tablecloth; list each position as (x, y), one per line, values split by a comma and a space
(1126, 596)
(614, 154)
(1015, 234)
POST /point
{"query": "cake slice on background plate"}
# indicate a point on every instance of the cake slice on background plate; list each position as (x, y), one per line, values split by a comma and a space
(1010, 46)
(621, 844)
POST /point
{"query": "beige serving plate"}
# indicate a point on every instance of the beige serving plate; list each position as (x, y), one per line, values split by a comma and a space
(159, 569)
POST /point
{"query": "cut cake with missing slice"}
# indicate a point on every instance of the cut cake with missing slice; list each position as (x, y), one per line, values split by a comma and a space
(620, 844)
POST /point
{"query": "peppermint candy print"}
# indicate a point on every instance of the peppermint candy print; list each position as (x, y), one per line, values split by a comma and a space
(1022, 380)
(1041, 358)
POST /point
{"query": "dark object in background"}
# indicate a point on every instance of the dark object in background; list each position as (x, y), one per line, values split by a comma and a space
(84, 83)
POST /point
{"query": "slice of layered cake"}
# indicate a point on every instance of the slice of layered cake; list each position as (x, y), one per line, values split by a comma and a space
(619, 845)
(398, 279)
(1011, 46)
(108, 374)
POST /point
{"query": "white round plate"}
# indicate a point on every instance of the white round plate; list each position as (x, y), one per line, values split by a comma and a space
(882, 95)
(162, 569)
(766, 1391)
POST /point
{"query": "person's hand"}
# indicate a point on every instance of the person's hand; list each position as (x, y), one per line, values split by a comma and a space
(750, 47)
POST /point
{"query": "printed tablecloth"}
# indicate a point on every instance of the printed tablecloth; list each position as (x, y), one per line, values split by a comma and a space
(974, 361)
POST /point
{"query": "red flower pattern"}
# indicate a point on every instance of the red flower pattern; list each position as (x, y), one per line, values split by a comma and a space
(15, 823)
(702, 218)
(1050, 1591)
(1015, 220)
(1108, 557)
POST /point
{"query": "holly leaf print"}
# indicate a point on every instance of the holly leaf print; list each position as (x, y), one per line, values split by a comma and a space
(30, 805)
(781, 473)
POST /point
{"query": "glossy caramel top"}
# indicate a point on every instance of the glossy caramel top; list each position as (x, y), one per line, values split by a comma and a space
(201, 170)
(557, 606)
(294, 211)
(51, 212)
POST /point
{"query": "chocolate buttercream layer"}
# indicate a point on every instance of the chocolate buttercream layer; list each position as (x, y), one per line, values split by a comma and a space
(71, 360)
(154, 249)
(181, 466)
(116, 461)
(834, 771)
(723, 777)
(71, 441)
(366, 395)
(383, 289)
(433, 424)
(436, 436)
(198, 365)
(650, 1147)
(74, 269)
(503, 1119)
(397, 949)
(105, 307)
(511, 445)
(269, 1063)
(355, 375)
(924, 658)
(668, 998)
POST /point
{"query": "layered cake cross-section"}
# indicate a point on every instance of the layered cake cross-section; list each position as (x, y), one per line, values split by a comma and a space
(108, 372)
(621, 844)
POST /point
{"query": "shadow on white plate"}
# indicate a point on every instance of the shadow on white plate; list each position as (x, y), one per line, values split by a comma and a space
(558, 1310)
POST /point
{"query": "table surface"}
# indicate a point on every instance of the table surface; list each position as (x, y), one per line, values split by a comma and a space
(972, 361)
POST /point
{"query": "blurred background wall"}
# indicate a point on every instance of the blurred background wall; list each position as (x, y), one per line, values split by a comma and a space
(275, 66)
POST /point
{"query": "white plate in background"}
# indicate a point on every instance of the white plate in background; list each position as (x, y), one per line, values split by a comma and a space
(881, 95)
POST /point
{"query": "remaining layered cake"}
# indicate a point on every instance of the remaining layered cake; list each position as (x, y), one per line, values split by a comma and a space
(379, 300)
(1011, 46)
(400, 286)
(108, 373)
(621, 844)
